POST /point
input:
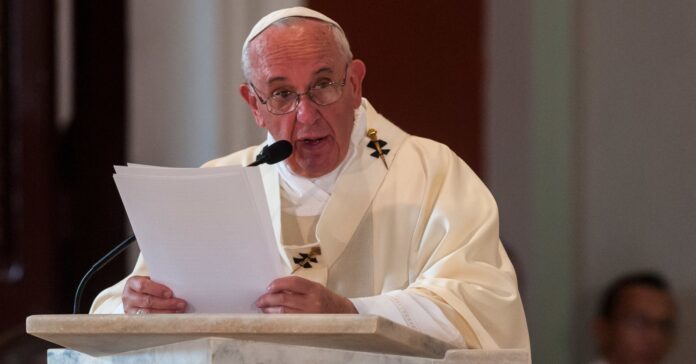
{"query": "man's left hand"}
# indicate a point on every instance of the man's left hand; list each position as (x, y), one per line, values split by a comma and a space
(298, 295)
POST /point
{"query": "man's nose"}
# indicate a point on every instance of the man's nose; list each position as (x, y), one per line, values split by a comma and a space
(307, 110)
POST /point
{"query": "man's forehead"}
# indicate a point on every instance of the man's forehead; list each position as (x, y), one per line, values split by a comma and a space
(645, 298)
(281, 51)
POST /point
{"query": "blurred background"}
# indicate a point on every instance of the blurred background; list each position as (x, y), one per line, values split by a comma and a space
(578, 115)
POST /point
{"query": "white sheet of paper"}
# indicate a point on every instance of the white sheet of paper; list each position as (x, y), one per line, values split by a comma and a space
(206, 233)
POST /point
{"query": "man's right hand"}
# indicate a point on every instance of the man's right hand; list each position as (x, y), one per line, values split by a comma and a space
(143, 295)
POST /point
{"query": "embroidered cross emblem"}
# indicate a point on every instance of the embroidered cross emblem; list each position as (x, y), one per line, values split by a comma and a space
(381, 143)
(306, 260)
(377, 144)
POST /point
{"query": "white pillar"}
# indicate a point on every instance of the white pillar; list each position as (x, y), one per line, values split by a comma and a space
(184, 74)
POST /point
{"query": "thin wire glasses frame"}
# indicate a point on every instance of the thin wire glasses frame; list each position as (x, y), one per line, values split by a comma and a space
(321, 93)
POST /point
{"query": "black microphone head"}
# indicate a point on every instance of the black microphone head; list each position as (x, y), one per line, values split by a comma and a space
(278, 151)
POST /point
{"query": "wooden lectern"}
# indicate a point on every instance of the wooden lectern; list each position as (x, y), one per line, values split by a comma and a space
(247, 338)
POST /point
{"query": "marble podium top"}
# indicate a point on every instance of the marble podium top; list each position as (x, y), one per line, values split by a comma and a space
(98, 335)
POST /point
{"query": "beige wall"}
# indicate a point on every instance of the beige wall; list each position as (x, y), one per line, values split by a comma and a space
(184, 74)
(637, 88)
(630, 156)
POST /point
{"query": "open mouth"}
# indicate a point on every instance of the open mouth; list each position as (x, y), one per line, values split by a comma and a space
(312, 141)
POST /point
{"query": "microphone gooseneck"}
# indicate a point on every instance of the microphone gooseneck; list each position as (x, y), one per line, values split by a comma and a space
(96, 267)
(273, 153)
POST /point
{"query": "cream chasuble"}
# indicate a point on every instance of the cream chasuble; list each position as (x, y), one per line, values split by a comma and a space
(302, 202)
(427, 226)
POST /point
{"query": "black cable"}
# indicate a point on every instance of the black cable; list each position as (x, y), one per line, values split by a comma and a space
(96, 267)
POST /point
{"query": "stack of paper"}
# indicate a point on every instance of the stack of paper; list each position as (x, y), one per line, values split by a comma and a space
(206, 233)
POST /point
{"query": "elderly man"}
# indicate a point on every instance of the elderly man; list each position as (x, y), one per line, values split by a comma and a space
(372, 220)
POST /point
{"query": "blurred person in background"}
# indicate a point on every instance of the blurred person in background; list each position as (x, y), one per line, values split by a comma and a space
(636, 322)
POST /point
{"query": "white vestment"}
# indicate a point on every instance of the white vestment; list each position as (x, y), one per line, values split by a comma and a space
(427, 226)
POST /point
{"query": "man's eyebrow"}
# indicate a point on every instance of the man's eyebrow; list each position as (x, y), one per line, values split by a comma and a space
(283, 78)
(277, 78)
(323, 69)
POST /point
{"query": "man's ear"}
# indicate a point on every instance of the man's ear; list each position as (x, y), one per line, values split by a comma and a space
(250, 98)
(357, 74)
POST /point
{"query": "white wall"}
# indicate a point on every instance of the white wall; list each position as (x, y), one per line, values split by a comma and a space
(624, 144)
(184, 74)
(637, 132)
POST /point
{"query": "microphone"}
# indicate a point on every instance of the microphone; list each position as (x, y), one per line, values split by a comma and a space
(101, 263)
(273, 153)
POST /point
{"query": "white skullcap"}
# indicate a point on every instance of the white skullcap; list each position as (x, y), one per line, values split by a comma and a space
(271, 18)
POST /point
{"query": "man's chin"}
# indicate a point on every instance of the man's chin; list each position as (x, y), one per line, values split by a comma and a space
(313, 168)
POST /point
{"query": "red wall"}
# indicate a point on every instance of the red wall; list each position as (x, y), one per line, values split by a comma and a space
(424, 65)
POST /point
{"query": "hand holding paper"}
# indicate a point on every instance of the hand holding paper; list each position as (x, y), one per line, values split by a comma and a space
(299, 295)
(143, 295)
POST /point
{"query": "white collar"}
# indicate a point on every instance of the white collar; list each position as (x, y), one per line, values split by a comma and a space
(307, 196)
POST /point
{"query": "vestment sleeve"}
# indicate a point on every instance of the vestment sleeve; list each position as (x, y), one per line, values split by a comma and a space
(411, 310)
(459, 262)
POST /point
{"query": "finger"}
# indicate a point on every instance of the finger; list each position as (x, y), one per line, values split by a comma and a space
(142, 311)
(179, 308)
(286, 300)
(151, 302)
(142, 284)
(292, 284)
(281, 309)
(155, 311)
(273, 309)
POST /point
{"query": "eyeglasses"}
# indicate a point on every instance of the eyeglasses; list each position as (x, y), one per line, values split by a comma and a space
(642, 323)
(283, 101)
